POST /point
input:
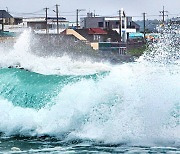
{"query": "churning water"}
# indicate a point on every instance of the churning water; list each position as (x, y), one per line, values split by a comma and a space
(72, 106)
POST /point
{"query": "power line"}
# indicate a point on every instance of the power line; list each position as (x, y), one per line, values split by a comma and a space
(72, 14)
(27, 12)
(68, 12)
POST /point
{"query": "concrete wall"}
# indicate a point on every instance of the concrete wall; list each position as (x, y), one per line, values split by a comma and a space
(95, 45)
(91, 22)
(75, 34)
(37, 25)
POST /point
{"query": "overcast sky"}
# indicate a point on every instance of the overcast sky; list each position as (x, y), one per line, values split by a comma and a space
(102, 7)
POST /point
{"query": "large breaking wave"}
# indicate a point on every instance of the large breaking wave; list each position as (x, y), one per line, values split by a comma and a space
(133, 103)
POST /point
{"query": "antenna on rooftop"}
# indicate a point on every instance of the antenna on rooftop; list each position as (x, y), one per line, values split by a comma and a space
(7, 9)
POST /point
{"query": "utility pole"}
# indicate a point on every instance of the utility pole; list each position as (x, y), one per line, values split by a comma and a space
(2, 20)
(120, 25)
(144, 22)
(77, 17)
(8, 12)
(163, 15)
(57, 16)
(46, 9)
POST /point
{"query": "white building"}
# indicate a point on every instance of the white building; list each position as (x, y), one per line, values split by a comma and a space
(38, 24)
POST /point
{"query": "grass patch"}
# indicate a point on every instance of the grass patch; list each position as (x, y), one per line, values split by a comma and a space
(137, 51)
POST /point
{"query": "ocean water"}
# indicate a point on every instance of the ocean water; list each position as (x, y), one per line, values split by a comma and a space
(60, 105)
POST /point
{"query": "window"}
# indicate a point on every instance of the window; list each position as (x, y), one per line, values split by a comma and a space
(50, 26)
(97, 38)
(107, 24)
(38, 26)
(100, 24)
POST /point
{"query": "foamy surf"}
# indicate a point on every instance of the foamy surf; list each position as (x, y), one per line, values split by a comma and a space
(22, 56)
(123, 106)
(82, 105)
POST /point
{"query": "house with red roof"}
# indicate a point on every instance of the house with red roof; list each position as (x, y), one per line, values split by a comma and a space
(99, 35)
(93, 36)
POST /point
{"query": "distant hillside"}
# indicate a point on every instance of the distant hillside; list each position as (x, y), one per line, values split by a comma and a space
(175, 20)
(150, 25)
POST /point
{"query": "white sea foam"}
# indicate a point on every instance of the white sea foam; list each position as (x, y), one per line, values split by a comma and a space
(137, 103)
(22, 56)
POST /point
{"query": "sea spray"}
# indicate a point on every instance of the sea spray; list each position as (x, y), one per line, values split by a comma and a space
(124, 106)
(133, 103)
(166, 49)
(23, 56)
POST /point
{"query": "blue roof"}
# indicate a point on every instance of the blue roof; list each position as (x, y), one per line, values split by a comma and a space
(5, 14)
(136, 35)
(7, 34)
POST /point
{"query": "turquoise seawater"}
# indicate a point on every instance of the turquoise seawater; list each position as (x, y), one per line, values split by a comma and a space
(69, 105)
(82, 114)
(32, 90)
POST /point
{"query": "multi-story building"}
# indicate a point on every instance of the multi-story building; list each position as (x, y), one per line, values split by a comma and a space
(109, 23)
(122, 24)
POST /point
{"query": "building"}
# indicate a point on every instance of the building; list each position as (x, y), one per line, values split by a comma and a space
(109, 23)
(99, 35)
(38, 24)
(175, 20)
(122, 24)
(99, 39)
(8, 22)
(6, 18)
(151, 25)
